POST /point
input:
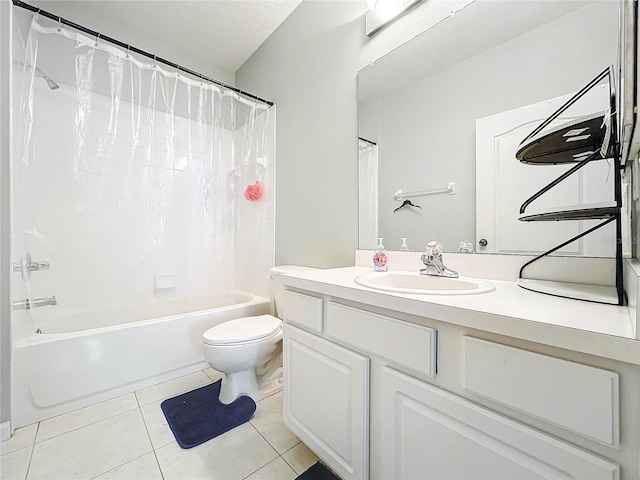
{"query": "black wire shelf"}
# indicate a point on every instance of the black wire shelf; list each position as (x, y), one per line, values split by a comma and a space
(575, 213)
(581, 141)
(573, 142)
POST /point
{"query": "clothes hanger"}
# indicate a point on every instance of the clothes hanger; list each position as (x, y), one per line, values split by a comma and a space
(405, 203)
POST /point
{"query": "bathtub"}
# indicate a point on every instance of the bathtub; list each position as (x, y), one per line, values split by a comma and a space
(55, 373)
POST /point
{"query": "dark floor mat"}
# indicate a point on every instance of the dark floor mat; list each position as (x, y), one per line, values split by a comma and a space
(197, 416)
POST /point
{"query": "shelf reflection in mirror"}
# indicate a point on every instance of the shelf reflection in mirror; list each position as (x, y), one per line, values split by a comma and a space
(419, 104)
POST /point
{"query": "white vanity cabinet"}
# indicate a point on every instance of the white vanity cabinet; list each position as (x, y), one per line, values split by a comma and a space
(365, 392)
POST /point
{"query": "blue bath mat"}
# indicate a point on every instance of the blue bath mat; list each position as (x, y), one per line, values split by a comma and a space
(198, 416)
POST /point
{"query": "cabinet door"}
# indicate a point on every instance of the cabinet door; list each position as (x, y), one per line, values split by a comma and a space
(428, 433)
(326, 401)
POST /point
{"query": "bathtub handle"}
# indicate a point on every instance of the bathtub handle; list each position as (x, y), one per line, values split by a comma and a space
(26, 266)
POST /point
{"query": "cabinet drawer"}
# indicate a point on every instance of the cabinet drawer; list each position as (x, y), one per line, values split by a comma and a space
(303, 310)
(577, 397)
(403, 343)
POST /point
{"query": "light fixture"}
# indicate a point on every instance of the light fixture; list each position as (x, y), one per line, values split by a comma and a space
(382, 12)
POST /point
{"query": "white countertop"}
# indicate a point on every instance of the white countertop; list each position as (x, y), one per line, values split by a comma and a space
(602, 330)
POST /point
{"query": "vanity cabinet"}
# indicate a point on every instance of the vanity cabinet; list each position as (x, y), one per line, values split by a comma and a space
(365, 392)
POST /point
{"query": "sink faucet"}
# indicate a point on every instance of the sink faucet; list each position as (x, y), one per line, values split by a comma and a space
(433, 262)
(35, 303)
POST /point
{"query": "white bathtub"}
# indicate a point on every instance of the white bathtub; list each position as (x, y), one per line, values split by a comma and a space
(55, 373)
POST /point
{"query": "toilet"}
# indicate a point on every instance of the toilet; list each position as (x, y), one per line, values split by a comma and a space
(248, 350)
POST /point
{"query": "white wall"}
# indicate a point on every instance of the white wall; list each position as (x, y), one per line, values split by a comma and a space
(308, 66)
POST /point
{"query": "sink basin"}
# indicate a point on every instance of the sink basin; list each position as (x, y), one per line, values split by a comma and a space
(407, 282)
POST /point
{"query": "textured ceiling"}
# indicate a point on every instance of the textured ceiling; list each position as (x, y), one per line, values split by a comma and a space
(224, 32)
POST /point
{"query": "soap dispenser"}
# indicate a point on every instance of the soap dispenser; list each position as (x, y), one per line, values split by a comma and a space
(380, 258)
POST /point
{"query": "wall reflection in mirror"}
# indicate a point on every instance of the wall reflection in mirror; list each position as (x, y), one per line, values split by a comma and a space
(452, 105)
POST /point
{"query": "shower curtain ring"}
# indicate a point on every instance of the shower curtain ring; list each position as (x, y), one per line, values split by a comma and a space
(127, 55)
(97, 38)
(154, 62)
(59, 29)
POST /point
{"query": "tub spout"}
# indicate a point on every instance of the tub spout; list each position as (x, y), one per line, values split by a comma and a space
(35, 303)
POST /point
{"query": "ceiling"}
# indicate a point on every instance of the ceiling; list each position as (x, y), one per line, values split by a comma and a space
(223, 32)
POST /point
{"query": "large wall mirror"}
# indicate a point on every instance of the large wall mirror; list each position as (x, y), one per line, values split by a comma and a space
(437, 115)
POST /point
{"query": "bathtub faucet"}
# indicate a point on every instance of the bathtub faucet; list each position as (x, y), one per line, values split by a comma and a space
(35, 303)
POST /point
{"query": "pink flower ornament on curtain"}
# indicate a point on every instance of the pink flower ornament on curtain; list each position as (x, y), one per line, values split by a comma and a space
(253, 192)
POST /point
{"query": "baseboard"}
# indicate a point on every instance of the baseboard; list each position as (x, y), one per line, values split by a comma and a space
(5, 431)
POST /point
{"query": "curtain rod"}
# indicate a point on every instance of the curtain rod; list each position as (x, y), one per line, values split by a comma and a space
(64, 21)
(368, 141)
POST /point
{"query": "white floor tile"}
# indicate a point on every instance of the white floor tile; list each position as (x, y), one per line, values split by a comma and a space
(268, 421)
(22, 437)
(157, 425)
(85, 416)
(91, 450)
(300, 458)
(172, 388)
(232, 455)
(14, 465)
(143, 468)
(278, 469)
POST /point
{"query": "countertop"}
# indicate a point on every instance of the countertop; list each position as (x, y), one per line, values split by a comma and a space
(596, 329)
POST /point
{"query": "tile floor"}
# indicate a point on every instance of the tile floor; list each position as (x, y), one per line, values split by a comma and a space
(128, 438)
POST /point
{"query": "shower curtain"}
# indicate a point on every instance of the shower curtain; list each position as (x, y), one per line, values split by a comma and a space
(138, 184)
(367, 195)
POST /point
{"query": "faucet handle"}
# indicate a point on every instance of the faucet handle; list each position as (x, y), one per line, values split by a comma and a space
(465, 246)
(434, 248)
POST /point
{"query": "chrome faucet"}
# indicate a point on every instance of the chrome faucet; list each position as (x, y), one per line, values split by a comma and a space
(433, 262)
(35, 303)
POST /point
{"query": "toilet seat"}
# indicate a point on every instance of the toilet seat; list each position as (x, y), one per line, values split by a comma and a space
(243, 330)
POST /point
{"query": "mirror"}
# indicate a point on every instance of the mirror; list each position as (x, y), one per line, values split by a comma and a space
(419, 105)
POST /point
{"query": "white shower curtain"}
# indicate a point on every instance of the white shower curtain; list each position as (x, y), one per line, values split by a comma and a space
(129, 178)
(367, 195)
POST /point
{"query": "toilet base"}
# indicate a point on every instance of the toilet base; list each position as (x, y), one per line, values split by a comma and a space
(246, 383)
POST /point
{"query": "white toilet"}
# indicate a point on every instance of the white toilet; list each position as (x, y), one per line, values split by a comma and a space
(248, 350)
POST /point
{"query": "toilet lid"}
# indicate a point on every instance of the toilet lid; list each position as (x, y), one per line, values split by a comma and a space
(242, 330)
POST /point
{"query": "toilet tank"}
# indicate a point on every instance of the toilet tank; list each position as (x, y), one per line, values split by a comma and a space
(276, 285)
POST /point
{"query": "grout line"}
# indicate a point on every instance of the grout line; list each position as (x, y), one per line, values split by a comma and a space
(33, 449)
(84, 425)
(153, 448)
(265, 438)
(118, 466)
